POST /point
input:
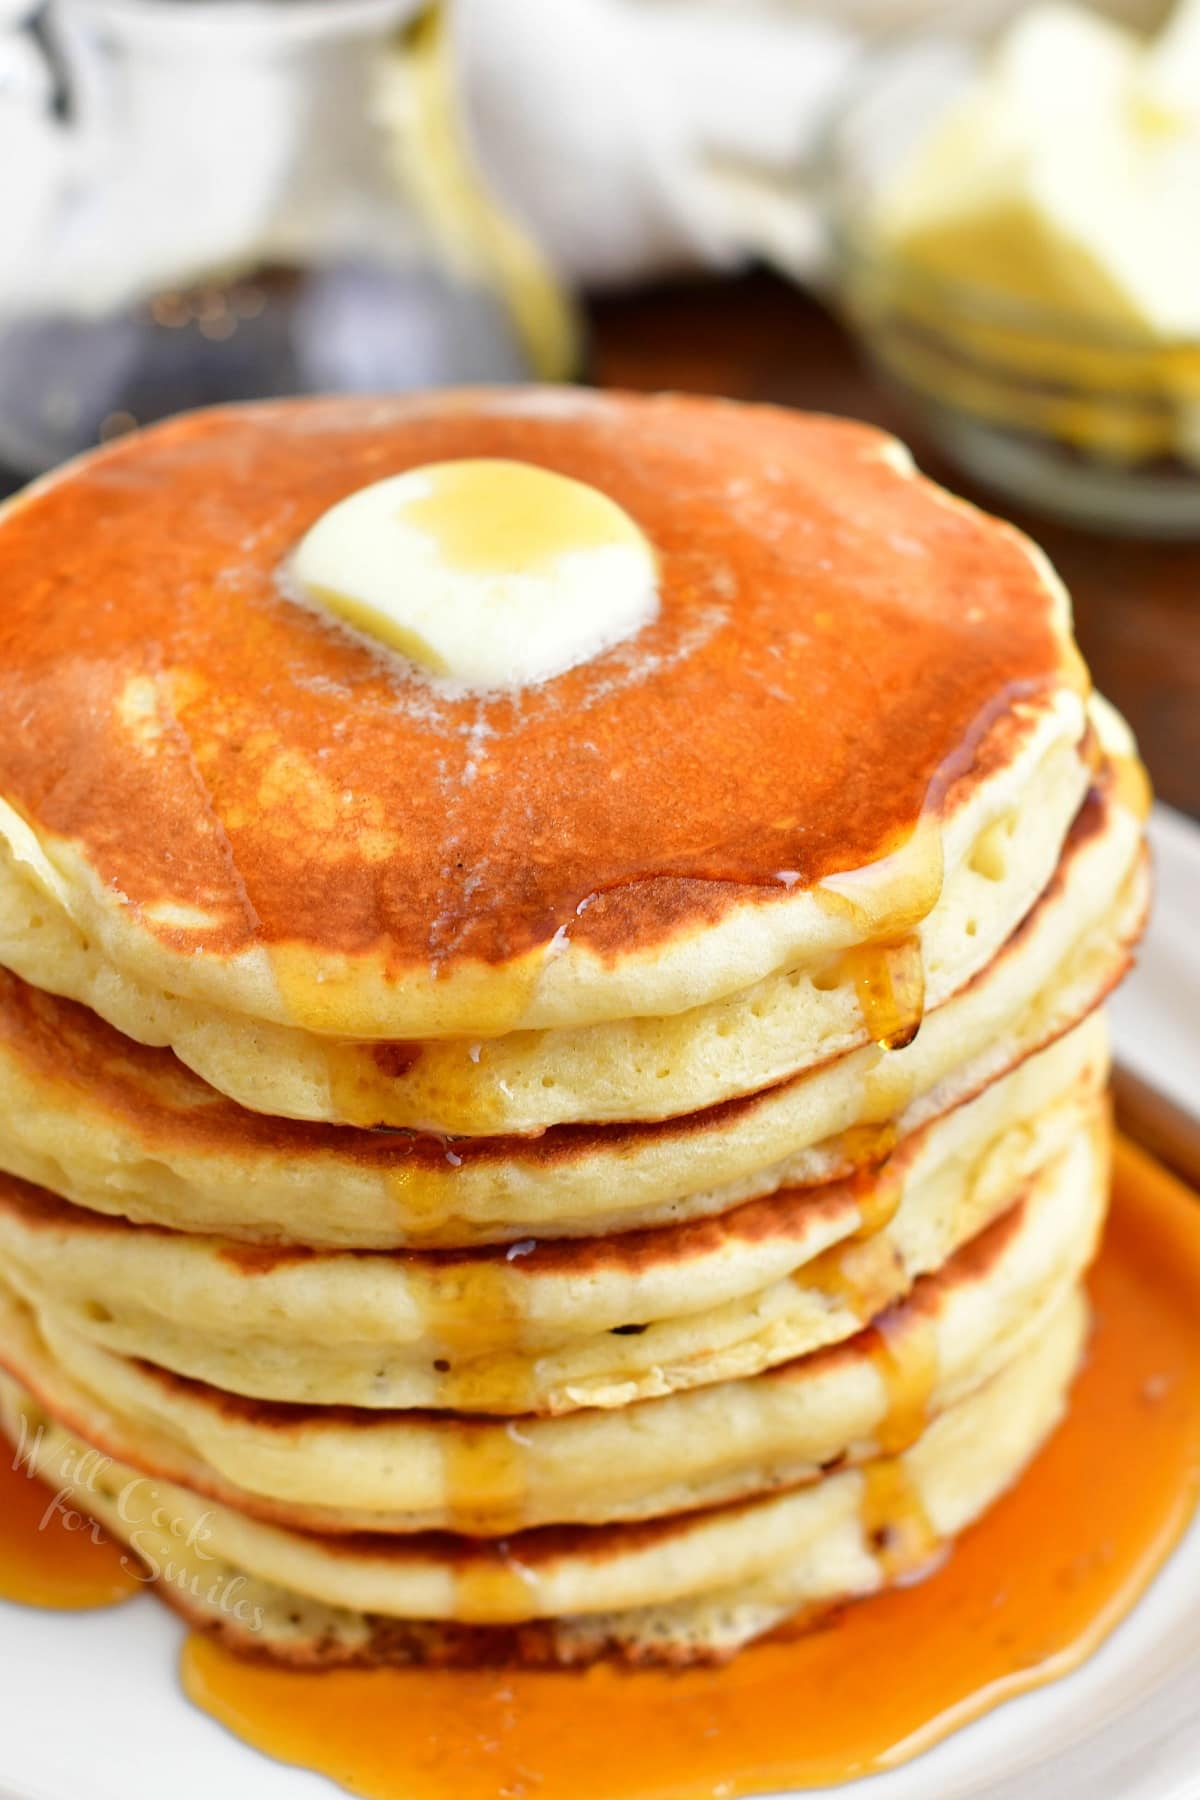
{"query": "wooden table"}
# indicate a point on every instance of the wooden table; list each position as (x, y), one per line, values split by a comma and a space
(1137, 604)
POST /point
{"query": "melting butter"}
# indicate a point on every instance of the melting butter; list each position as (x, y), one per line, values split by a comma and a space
(489, 573)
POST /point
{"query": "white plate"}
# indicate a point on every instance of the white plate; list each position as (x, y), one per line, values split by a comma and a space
(90, 1708)
(1157, 1011)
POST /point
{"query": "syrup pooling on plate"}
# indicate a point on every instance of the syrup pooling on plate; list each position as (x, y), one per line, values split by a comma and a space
(50, 1554)
(1026, 1595)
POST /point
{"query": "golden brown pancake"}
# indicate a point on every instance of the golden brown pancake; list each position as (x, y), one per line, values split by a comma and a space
(123, 1129)
(605, 1164)
(562, 1323)
(671, 1590)
(336, 1468)
(236, 793)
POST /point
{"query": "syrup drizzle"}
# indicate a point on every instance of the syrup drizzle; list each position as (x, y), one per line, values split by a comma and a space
(894, 1521)
(880, 1200)
(485, 1477)
(477, 1319)
(480, 1323)
(886, 902)
(361, 1076)
(905, 1357)
(889, 981)
(864, 1274)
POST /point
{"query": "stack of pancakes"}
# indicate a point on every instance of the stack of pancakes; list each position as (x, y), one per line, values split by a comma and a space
(601, 1169)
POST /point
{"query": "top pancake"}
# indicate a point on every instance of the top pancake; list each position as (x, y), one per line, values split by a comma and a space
(245, 803)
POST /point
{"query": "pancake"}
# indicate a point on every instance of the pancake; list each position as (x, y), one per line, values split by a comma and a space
(635, 1068)
(609, 844)
(342, 1469)
(595, 1322)
(677, 1590)
(124, 1130)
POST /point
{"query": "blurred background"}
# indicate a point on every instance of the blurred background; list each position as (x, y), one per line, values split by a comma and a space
(977, 223)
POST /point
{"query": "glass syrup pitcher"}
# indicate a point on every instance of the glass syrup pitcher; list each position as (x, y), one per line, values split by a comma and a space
(214, 200)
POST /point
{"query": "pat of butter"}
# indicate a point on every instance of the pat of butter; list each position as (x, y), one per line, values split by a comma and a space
(1069, 175)
(489, 573)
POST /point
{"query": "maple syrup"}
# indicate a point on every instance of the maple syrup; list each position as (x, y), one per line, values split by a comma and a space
(886, 901)
(904, 1353)
(365, 1077)
(895, 1523)
(866, 1149)
(470, 1305)
(484, 1472)
(863, 1274)
(889, 982)
(50, 1554)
